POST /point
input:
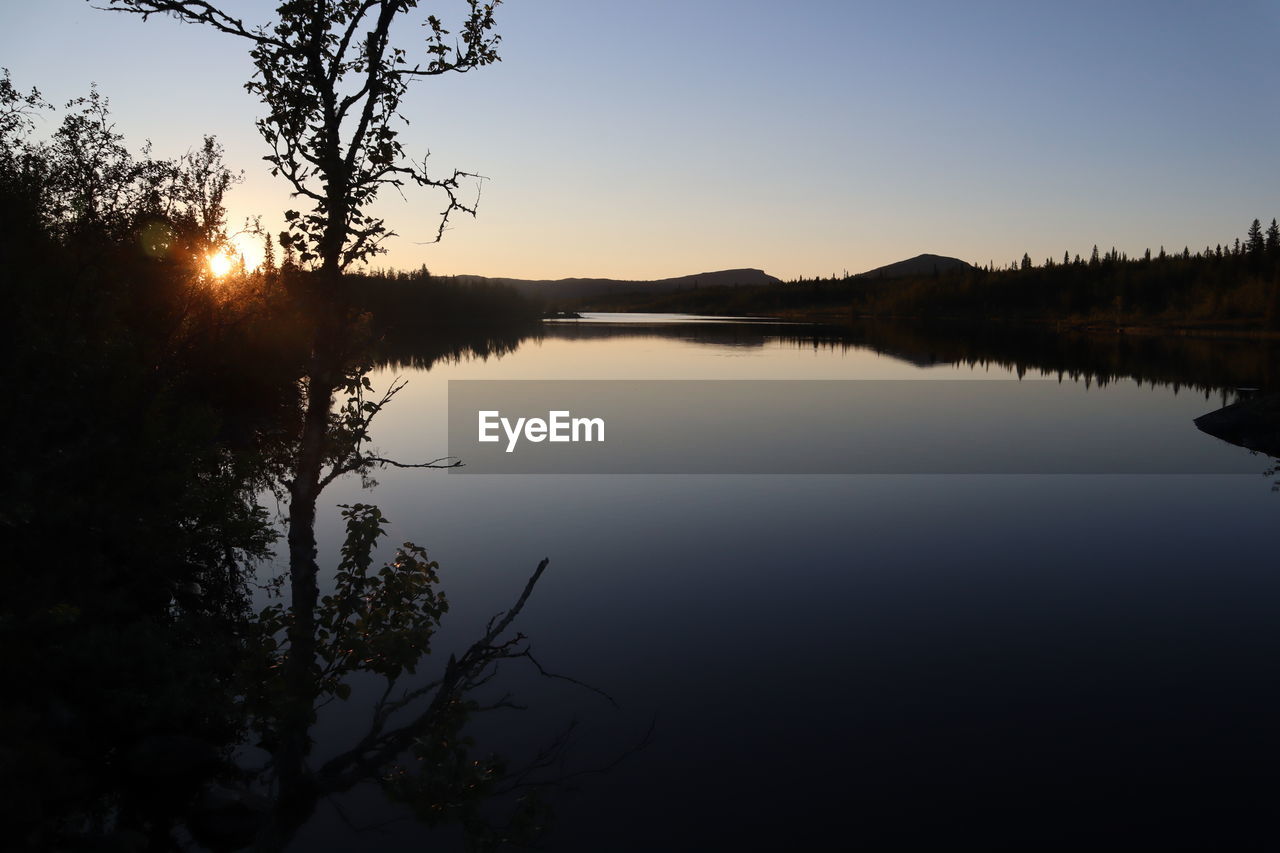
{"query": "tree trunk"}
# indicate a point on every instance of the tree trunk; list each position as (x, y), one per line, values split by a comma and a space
(297, 795)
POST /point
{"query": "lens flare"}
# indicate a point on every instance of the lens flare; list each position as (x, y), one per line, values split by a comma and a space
(220, 264)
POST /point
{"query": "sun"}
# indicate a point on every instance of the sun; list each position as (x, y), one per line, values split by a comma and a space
(220, 264)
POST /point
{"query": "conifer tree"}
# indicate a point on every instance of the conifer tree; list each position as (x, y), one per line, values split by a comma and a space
(1254, 245)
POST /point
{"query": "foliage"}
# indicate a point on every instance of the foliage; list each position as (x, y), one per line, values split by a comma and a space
(380, 624)
(129, 519)
(333, 82)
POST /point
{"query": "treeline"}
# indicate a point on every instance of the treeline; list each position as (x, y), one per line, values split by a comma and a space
(1227, 287)
(416, 312)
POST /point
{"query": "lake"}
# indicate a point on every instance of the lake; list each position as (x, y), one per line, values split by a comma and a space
(1029, 659)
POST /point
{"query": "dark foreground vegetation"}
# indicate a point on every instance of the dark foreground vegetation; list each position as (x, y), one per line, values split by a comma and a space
(1232, 288)
(152, 406)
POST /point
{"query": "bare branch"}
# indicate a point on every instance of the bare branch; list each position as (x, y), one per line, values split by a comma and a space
(556, 750)
(511, 614)
(545, 674)
(442, 462)
(193, 12)
(377, 749)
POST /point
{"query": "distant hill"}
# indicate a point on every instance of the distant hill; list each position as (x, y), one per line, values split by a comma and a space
(918, 266)
(580, 288)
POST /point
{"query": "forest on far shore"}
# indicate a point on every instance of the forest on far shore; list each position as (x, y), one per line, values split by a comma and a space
(1224, 288)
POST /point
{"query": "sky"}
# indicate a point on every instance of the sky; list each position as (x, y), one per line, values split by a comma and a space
(641, 140)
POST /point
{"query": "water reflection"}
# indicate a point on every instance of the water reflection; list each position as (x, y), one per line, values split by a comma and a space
(1177, 361)
(448, 346)
(871, 656)
(914, 662)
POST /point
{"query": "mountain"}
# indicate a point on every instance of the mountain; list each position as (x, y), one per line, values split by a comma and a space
(578, 288)
(917, 266)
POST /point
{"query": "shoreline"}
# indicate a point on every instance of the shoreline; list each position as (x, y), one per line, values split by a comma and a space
(1152, 328)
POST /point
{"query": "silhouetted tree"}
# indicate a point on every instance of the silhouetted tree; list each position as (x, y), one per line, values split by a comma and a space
(332, 82)
(1254, 244)
(268, 255)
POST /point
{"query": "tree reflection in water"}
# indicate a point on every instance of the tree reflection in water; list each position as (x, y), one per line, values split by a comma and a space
(144, 671)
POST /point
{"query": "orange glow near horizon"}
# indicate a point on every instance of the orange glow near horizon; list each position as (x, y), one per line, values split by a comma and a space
(220, 263)
(249, 248)
(240, 251)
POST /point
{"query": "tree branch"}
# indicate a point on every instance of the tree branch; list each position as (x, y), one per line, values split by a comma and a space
(376, 750)
(191, 11)
(336, 71)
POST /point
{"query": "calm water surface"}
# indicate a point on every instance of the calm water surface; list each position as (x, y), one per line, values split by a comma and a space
(957, 661)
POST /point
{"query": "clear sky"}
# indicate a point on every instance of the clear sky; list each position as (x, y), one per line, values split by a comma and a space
(658, 138)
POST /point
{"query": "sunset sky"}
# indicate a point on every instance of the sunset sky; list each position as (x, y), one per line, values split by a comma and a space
(650, 139)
